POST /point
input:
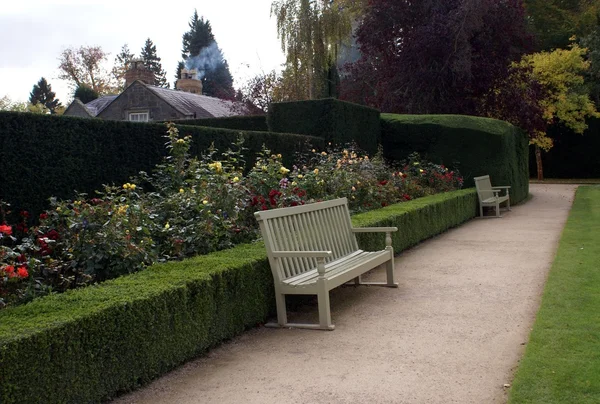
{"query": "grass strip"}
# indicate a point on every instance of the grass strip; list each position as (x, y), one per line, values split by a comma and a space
(562, 359)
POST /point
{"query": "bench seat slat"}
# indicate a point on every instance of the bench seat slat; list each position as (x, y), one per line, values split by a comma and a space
(337, 267)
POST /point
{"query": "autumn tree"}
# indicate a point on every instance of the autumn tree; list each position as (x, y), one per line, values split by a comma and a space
(42, 94)
(200, 51)
(261, 91)
(567, 100)
(152, 63)
(555, 21)
(434, 56)
(311, 34)
(85, 66)
(121, 65)
(7, 104)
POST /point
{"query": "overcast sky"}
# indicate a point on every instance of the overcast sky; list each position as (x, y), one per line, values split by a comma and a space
(33, 33)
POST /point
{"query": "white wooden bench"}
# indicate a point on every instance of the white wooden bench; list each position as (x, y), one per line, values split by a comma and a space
(312, 249)
(490, 196)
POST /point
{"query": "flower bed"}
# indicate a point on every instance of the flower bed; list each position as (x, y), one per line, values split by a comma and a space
(190, 206)
(90, 344)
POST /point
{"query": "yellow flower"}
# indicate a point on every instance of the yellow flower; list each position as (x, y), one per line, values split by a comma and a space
(58, 209)
(205, 201)
(300, 176)
(167, 226)
(420, 170)
(284, 170)
(357, 182)
(353, 189)
(294, 183)
(181, 191)
(400, 174)
(345, 152)
(323, 154)
(77, 203)
(217, 166)
(366, 157)
(416, 163)
(314, 151)
(193, 191)
(180, 141)
(264, 168)
(316, 171)
(236, 179)
(321, 182)
(279, 156)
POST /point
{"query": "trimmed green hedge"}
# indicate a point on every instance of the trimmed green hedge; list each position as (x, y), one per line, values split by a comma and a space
(91, 344)
(253, 123)
(335, 121)
(44, 156)
(476, 146)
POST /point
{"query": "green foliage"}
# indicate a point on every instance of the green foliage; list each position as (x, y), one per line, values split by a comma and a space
(45, 156)
(42, 94)
(200, 51)
(562, 360)
(254, 123)
(85, 94)
(335, 121)
(90, 344)
(475, 146)
(554, 22)
(152, 63)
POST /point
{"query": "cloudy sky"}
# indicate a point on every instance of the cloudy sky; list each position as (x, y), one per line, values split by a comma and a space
(35, 32)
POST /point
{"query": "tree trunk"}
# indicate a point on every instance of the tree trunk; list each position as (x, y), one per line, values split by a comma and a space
(538, 161)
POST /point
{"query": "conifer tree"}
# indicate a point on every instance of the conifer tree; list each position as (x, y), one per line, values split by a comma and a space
(122, 62)
(42, 94)
(152, 63)
(201, 52)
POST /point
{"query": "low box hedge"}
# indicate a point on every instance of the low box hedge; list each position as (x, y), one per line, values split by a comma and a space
(91, 344)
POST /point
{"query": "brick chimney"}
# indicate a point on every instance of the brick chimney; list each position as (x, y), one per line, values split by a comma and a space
(137, 71)
(189, 82)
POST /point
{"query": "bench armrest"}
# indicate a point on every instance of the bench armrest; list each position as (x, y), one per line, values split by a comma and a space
(502, 187)
(301, 254)
(374, 229)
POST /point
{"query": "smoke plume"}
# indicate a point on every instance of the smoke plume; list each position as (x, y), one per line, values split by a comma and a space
(208, 60)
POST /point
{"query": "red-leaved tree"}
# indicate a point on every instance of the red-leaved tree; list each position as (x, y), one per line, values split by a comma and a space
(435, 56)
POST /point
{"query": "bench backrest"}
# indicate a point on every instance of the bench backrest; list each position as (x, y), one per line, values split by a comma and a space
(321, 226)
(484, 187)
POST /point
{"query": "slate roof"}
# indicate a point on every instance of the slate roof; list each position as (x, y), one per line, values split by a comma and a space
(194, 105)
(98, 105)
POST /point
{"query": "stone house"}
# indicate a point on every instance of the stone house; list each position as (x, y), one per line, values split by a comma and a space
(142, 101)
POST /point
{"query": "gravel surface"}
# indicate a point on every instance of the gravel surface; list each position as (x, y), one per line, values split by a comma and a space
(453, 332)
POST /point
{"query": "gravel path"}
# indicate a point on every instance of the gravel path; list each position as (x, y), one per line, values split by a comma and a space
(452, 333)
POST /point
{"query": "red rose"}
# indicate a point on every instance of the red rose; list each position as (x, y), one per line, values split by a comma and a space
(10, 271)
(6, 229)
(43, 216)
(24, 214)
(22, 272)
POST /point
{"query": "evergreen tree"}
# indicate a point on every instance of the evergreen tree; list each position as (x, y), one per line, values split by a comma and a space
(85, 93)
(42, 94)
(201, 52)
(152, 63)
(122, 62)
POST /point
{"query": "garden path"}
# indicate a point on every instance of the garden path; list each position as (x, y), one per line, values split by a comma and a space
(452, 333)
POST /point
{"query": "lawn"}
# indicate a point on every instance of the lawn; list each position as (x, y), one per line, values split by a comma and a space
(562, 360)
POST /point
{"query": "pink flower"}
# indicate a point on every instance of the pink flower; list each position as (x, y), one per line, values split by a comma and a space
(5, 229)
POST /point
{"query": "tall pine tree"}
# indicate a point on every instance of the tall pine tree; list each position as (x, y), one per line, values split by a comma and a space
(152, 63)
(42, 94)
(122, 62)
(200, 51)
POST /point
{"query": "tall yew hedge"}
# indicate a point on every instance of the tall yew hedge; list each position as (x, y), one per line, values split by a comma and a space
(476, 146)
(43, 156)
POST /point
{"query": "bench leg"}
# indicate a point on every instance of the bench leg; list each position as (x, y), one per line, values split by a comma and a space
(281, 309)
(480, 210)
(324, 310)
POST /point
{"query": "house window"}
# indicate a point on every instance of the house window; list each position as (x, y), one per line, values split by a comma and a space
(138, 116)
